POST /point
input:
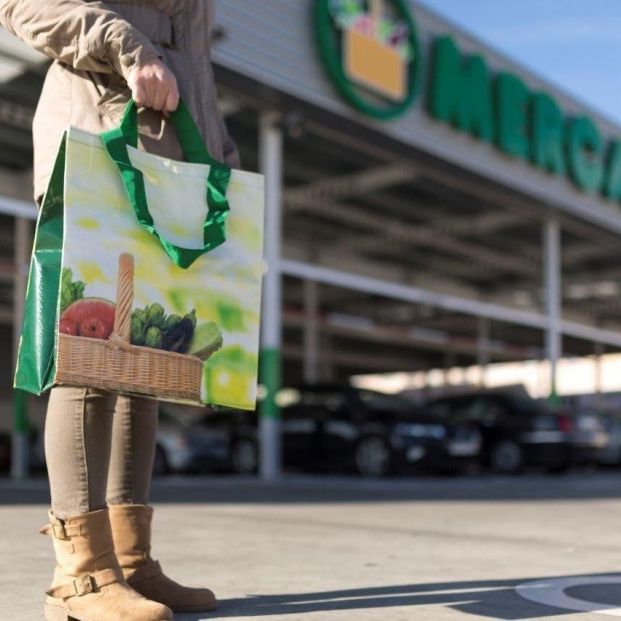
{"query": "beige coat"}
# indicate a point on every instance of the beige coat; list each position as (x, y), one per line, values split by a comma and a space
(94, 45)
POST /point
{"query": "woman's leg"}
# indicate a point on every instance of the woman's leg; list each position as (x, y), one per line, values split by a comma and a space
(131, 464)
(88, 581)
(133, 450)
(78, 433)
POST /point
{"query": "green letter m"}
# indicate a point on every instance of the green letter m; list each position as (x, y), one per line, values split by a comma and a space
(460, 90)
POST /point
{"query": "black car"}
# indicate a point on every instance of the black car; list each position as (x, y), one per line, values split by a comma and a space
(334, 428)
(610, 455)
(518, 431)
(327, 427)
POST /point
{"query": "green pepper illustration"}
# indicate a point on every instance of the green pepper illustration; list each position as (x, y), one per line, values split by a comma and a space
(137, 331)
(141, 315)
(155, 315)
(153, 337)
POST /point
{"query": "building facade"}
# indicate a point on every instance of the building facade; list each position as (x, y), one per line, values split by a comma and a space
(430, 203)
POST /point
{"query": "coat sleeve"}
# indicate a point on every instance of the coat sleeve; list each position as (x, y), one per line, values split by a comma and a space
(88, 36)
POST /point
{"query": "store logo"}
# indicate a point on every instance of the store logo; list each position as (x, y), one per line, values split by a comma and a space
(371, 51)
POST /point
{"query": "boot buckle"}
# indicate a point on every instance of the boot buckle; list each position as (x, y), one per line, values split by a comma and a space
(84, 585)
(58, 529)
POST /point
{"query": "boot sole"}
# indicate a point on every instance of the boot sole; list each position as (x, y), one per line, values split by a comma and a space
(55, 613)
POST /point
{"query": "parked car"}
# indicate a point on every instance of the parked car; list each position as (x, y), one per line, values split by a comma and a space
(335, 427)
(610, 455)
(589, 437)
(324, 428)
(518, 431)
(36, 452)
(211, 441)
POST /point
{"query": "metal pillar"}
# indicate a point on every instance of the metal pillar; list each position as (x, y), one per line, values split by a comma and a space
(552, 295)
(449, 363)
(271, 156)
(599, 350)
(328, 370)
(311, 332)
(19, 441)
(483, 330)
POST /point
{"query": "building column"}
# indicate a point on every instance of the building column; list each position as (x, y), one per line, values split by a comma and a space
(483, 332)
(328, 371)
(271, 162)
(599, 350)
(449, 363)
(311, 332)
(19, 441)
(552, 296)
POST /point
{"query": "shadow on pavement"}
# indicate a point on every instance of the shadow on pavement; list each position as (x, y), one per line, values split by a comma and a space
(495, 599)
(294, 489)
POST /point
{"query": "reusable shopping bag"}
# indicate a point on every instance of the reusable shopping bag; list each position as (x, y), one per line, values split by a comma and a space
(146, 272)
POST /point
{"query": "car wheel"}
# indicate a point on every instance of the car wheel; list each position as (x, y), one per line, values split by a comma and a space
(245, 456)
(160, 462)
(372, 457)
(506, 457)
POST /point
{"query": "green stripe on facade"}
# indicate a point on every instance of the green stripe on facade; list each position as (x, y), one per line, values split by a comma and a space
(270, 374)
(20, 412)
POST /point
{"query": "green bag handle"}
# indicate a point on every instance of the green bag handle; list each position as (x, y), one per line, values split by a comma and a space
(214, 233)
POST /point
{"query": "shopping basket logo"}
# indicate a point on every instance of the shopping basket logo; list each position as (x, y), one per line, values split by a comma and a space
(370, 49)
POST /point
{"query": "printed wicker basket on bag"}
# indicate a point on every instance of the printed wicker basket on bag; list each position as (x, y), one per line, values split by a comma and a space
(115, 364)
(373, 63)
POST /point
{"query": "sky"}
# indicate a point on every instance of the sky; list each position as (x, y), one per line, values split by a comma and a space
(575, 44)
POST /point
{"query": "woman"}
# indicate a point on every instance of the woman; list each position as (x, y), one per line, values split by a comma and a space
(100, 446)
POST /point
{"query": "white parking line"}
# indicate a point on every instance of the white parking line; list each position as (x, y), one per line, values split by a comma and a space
(552, 593)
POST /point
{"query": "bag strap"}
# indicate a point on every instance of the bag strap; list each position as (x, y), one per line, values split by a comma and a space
(116, 141)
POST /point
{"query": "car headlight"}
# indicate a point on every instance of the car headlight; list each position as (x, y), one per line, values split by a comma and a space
(418, 430)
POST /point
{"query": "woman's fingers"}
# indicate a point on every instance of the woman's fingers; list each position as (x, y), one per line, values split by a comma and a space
(159, 99)
(154, 86)
(138, 95)
(148, 96)
(172, 101)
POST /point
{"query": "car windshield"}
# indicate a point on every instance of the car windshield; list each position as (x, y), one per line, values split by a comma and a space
(384, 401)
(527, 405)
(472, 407)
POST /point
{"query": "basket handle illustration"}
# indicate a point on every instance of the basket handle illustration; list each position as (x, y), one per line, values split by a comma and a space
(377, 11)
(124, 299)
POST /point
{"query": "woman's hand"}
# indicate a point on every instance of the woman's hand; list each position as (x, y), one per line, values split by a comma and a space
(153, 85)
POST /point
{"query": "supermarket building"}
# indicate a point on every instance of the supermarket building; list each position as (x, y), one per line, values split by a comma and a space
(430, 203)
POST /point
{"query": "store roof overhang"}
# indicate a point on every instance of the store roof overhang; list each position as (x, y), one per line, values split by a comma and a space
(277, 51)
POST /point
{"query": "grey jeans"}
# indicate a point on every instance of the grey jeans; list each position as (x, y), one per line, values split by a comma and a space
(99, 449)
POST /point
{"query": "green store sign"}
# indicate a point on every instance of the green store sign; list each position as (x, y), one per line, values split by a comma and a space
(371, 52)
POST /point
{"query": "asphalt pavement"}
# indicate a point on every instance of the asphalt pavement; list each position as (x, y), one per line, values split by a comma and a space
(328, 549)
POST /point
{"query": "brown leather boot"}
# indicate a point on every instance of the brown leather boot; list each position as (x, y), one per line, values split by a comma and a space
(88, 583)
(131, 530)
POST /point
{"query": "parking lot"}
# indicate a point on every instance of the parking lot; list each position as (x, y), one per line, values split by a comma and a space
(342, 548)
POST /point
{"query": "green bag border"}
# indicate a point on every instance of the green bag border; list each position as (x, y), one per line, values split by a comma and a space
(36, 362)
(217, 181)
